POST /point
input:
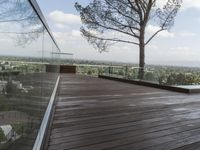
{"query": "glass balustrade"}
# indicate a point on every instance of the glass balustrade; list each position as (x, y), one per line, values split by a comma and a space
(26, 85)
(184, 77)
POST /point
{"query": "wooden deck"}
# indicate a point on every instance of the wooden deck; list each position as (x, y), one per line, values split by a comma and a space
(98, 114)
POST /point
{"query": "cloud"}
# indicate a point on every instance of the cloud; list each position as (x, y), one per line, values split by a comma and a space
(183, 49)
(167, 46)
(63, 37)
(161, 3)
(187, 34)
(76, 33)
(152, 29)
(61, 18)
(191, 4)
(185, 5)
(153, 46)
(60, 26)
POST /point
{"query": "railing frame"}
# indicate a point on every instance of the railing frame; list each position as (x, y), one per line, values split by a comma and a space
(38, 11)
(41, 136)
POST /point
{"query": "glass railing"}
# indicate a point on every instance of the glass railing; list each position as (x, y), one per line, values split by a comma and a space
(128, 72)
(66, 59)
(26, 85)
(173, 76)
(89, 70)
(186, 77)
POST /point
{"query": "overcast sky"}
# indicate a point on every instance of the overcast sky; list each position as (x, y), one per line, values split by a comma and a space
(179, 46)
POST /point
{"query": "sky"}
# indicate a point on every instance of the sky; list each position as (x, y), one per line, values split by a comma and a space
(179, 46)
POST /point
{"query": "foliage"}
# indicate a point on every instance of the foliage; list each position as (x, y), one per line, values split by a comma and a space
(149, 76)
(166, 75)
(128, 19)
(4, 104)
(19, 128)
(2, 136)
(20, 16)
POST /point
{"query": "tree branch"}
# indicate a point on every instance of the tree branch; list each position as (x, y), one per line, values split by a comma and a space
(111, 28)
(153, 36)
(126, 26)
(17, 20)
(140, 12)
(110, 39)
(121, 12)
(134, 8)
(32, 32)
(162, 27)
(137, 10)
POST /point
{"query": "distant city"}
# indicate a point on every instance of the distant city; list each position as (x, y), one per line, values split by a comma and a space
(170, 75)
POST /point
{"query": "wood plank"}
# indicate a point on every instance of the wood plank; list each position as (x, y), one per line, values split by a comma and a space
(95, 114)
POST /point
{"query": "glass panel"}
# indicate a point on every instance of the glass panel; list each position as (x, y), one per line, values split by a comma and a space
(184, 77)
(66, 59)
(26, 83)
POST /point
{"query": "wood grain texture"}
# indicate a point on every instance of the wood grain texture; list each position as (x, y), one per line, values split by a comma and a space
(98, 114)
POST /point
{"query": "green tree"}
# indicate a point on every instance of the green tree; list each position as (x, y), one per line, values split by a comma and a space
(2, 136)
(126, 17)
(149, 76)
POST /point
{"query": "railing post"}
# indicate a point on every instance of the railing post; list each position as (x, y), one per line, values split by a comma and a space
(109, 71)
(126, 72)
(39, 142)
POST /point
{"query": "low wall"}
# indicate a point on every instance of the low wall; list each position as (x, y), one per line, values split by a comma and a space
(67, 69)
(52, 68)
(150, 84)
(61, 68)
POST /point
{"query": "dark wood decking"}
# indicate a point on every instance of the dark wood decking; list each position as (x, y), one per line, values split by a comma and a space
(96, 114)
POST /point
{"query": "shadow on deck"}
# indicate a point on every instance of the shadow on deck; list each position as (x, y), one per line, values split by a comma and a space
(96, 114)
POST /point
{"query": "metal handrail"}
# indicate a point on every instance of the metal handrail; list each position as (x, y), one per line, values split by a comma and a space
(44, 125)
(38, 11)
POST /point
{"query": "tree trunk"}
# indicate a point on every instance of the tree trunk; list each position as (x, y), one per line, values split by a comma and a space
(142, 55)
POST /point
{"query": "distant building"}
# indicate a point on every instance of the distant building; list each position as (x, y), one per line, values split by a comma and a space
(18, 84)
(8, 132)
(3, 85)
(6, 65)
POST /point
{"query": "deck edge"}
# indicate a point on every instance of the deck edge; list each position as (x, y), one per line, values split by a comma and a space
(150, 84)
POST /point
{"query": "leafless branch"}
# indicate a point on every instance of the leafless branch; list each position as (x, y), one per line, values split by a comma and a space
(153, 36)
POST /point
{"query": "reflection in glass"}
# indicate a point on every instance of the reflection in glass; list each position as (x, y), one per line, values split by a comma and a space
(25, 86)
(18, 20)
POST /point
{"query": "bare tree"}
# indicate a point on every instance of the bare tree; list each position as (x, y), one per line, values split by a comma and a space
(126, 17)
(25, 25)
